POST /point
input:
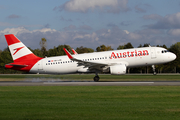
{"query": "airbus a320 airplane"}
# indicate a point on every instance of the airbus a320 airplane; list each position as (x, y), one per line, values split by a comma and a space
(115, 62)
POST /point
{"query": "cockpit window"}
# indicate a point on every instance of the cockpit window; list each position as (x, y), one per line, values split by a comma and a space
(164, 51)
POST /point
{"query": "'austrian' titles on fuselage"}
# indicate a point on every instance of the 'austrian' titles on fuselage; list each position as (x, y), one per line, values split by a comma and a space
(116, 55)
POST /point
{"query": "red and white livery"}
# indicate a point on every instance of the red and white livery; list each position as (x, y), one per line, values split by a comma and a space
(115, 62)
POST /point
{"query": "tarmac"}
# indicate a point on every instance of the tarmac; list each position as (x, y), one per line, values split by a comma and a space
(88, 83)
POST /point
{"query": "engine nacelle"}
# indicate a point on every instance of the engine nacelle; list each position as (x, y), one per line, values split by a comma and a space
(83, 70)
(118, 69)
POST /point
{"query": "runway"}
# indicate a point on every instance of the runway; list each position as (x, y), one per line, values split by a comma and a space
(88, 83)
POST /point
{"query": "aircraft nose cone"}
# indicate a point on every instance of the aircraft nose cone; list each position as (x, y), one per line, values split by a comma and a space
(173, 56)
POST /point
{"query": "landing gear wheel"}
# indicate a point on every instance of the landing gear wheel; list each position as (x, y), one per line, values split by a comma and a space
(96, 78)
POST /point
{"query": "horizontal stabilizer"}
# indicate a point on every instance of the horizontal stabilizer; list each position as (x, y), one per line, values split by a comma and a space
(14, 65)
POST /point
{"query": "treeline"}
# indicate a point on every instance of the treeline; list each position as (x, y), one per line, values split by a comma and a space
(172, 67)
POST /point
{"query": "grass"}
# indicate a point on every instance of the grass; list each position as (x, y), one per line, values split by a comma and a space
(90, 102)
(84, 77)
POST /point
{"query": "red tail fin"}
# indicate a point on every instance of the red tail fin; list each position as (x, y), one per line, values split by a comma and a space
(18, 50)
(23, 58)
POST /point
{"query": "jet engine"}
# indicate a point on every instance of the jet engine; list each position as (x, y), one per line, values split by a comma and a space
(83, 70)
(118, 69)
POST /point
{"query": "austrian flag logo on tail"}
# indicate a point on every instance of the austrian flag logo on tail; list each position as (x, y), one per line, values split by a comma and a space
(17, 49)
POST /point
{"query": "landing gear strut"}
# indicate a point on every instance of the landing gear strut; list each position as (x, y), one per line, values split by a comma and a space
(154, 71)
(96, 78)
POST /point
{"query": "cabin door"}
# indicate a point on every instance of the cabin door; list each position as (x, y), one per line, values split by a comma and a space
(40, 66)
(153, 53)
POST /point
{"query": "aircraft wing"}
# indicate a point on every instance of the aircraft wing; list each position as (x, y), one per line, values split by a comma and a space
(75, 53)
(90, 65)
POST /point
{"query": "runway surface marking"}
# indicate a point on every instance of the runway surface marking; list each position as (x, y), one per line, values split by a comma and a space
(98, 82)
(89, 83)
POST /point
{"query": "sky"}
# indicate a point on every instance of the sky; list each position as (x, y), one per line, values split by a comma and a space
(90, 23)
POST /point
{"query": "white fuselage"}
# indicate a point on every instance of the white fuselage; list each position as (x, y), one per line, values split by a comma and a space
(130, 57)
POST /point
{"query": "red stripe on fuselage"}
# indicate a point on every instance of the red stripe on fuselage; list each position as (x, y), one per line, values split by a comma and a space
(29, 60)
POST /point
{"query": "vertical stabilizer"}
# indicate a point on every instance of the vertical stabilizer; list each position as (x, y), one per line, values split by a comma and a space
(18, 50)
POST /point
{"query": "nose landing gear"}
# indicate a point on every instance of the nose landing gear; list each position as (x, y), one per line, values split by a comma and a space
(154, 71)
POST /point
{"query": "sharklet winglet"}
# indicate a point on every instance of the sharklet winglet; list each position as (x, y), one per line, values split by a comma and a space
(68, 54)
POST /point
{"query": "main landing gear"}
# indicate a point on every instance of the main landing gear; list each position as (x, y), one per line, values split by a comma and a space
(96, 78)
(154, 71)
